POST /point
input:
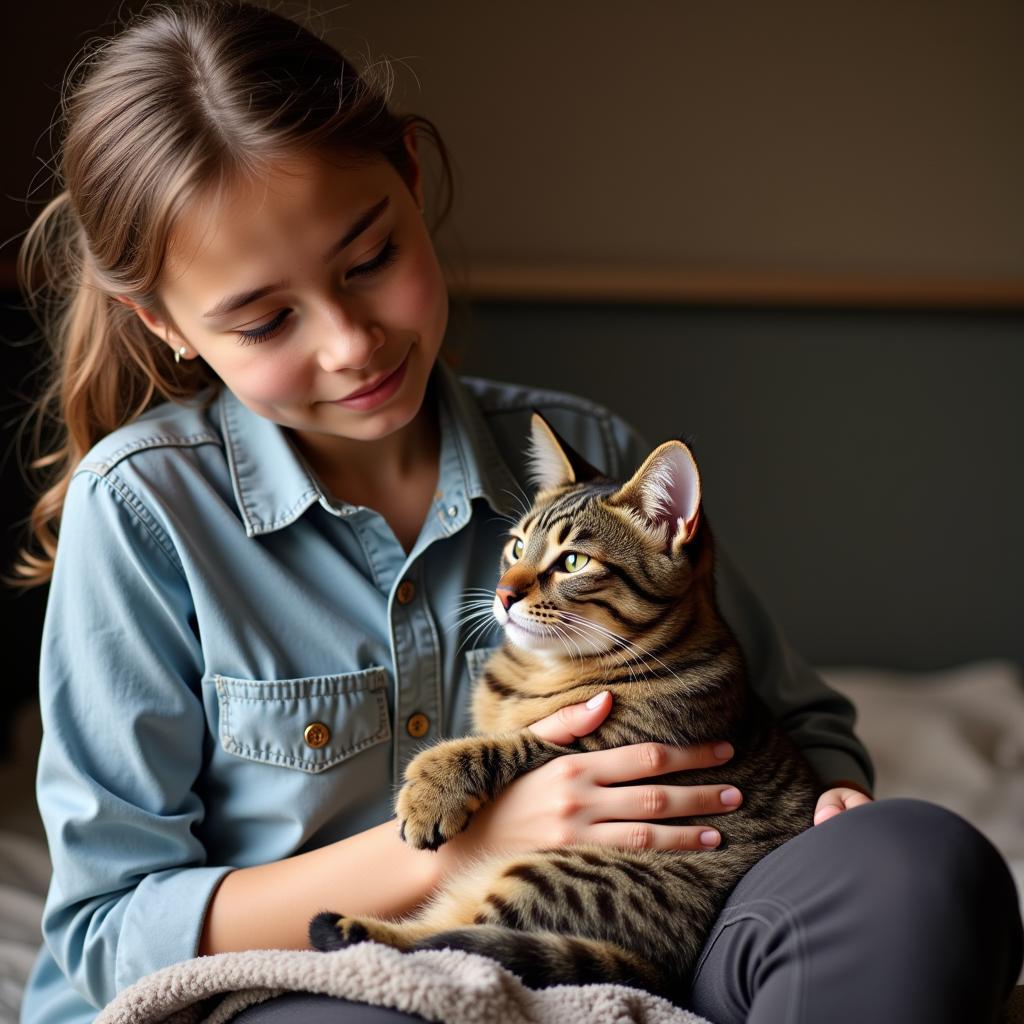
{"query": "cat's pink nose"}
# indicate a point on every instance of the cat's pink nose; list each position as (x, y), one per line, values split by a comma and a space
(507, 596)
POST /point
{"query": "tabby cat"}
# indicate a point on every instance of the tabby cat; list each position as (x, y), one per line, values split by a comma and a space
(604, 586)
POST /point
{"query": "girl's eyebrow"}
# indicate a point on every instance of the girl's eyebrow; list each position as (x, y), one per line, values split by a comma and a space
(235, 302)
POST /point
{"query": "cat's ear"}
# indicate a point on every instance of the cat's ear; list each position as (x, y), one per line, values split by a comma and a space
(553, 462)
(666, 491)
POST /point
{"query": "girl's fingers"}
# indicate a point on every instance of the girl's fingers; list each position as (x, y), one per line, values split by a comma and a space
(574, 720)
(642, 802)
(643, 760)
(643, 835)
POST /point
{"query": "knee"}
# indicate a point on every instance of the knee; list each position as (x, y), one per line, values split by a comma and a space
(913, 834)
(917, 847)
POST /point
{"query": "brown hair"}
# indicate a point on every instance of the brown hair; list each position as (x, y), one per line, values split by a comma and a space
(185, 97)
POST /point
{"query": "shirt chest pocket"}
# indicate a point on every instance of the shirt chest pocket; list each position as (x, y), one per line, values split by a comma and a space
(309, 724)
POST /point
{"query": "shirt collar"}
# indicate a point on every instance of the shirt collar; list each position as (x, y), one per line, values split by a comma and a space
(273, 485)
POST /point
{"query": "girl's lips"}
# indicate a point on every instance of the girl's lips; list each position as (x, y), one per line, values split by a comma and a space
(372, 387)
(381, 392)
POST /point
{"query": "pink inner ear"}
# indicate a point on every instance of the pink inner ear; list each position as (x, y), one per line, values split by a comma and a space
(683, 487)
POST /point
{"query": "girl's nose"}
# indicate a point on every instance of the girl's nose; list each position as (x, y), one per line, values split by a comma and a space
(348, 341)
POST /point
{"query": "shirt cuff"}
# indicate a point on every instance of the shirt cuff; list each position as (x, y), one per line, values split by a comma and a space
(164, 921)
(832, 764)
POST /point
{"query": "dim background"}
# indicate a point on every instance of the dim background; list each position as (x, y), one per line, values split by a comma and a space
(793, 232)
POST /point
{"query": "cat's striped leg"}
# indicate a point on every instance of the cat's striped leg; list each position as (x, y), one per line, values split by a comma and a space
(538, 921)
(491, 909)
(329, 931)
(590, 913)
(543, 959)
(456, 903)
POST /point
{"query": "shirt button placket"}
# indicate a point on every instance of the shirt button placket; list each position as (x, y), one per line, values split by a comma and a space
(420, 693)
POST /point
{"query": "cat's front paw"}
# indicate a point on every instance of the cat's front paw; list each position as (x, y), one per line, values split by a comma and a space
(433, 805)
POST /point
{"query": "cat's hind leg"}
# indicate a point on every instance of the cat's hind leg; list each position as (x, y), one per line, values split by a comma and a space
(516, 910)
(543, 959)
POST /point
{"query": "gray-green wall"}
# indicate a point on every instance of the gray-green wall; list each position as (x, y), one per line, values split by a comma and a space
(866, 469)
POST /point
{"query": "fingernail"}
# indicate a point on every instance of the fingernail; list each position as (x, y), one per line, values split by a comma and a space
(722, 750)
(709, 838)
(730, 797)
(596, 699)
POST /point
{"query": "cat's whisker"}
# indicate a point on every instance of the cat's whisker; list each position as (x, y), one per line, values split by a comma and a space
(578, 631)
(613, 635)
(503, 519)
(477, 604)
(479, 601)
(525, 502)
(470, 617)
(562, 635)
(474, 618)
(480, 630)
(620, 641)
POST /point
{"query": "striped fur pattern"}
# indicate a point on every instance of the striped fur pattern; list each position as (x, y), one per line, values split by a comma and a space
(633, 611)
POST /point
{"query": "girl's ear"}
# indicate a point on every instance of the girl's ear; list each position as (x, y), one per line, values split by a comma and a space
(553, 462)
(666, 491)
(153, 323)
(415, 183)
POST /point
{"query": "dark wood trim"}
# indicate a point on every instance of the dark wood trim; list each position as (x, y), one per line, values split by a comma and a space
(687, 286)
(710, 287)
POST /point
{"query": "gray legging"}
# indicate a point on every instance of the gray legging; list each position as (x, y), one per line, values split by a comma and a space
(895, 911)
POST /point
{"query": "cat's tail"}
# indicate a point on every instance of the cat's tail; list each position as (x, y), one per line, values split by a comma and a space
(543, 959)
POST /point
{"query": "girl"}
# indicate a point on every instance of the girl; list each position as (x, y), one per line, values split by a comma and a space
(272, 495)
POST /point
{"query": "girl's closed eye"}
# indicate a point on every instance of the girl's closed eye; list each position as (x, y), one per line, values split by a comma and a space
(274, 327)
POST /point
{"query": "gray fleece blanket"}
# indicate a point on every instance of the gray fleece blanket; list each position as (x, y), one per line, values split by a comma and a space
(445, 985)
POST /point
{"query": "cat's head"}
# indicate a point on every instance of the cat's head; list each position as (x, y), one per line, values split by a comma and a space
(595, 562)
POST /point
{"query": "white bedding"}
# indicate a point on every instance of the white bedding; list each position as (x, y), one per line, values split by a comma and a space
(954, 737)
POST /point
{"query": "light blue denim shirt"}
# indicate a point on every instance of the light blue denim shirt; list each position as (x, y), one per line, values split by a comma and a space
(210, 602)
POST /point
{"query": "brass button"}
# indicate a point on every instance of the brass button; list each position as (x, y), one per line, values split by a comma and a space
(418, 724)
(406, 592)
(316, 735)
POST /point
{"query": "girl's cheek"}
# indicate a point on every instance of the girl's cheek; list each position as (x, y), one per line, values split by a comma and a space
(268, 376)
(421, 290)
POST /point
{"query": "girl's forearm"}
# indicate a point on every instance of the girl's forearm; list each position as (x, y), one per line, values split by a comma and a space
(268, 906)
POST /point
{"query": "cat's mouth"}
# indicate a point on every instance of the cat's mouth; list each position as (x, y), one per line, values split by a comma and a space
(530, 635)
(533, 629)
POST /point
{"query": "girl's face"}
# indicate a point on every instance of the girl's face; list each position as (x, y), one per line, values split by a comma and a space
(311, 287)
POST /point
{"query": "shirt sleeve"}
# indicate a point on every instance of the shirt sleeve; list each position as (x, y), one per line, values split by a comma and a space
(819, 719)
(123, 738)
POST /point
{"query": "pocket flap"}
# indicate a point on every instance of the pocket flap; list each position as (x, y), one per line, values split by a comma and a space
(310, 723)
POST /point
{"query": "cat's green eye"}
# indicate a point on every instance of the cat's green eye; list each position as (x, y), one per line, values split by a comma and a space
(574, 561)
(518, 548)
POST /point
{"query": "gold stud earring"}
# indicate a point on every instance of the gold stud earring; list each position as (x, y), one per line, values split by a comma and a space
(180, 352)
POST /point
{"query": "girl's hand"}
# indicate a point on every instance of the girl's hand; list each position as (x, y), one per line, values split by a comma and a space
(569, 800)
(835, 801)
